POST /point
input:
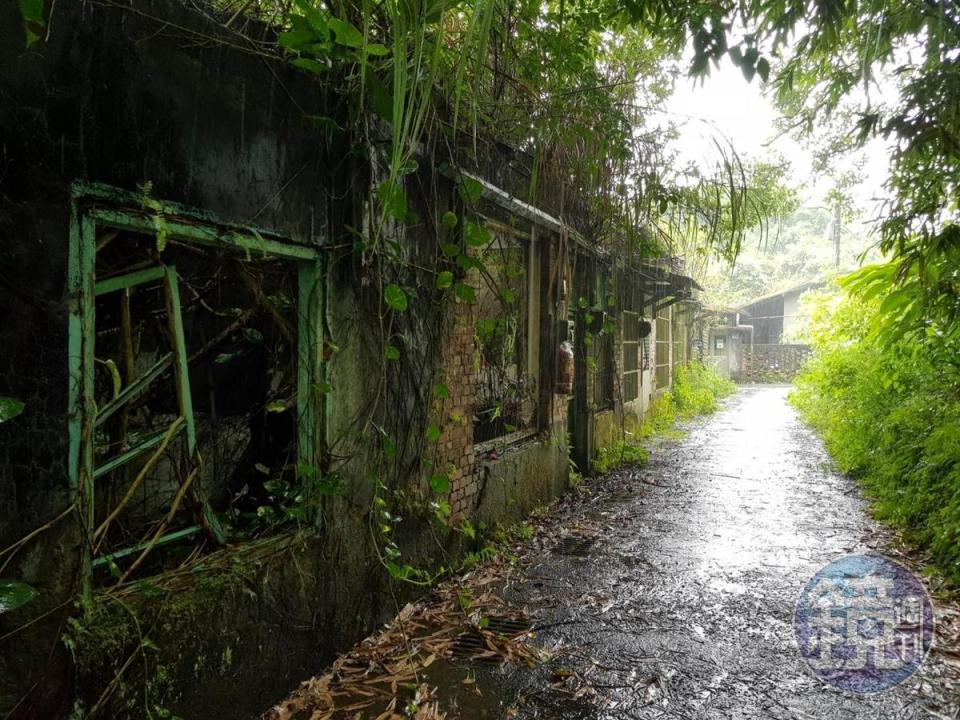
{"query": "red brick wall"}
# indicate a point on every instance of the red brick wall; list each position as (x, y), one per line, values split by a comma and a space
(454, 414)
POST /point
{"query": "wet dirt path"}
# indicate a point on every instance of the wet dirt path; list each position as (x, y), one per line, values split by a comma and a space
(673, 594)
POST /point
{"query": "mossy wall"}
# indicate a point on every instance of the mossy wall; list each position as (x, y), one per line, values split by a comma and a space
(116, 97)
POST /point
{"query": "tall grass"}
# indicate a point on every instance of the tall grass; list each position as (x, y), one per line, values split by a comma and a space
(890, 416)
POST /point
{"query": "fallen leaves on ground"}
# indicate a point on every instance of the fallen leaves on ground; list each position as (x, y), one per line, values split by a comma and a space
(382, 674)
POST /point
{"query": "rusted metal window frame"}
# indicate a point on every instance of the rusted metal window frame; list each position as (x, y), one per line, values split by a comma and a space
(95, 206)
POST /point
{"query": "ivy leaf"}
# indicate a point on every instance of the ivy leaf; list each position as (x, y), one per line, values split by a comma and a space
(467, 262)
(470, 190)
(465, 292)
(14, 594)
(441, 391)
(391, 352)
(476, 235)
(10, 408)
(444, 280)
(449, 220)
(345, 33)
(450, 249)
(276, 406)
(440, 483)
(395, 297)
(433, 433)
(394, 200)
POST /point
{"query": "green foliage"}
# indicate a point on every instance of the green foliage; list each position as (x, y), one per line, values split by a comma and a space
(289, 499)
(395, 297)
(31, 13)
(888, 407)
(10, 408)
(15, 594)
(832, 60)
(440, 483)
(696, 389)
(619, 454)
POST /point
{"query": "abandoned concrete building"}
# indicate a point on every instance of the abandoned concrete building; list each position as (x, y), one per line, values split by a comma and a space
(237, 406)
(757, 341)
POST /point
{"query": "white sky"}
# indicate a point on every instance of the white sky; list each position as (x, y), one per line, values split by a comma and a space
(727, 103)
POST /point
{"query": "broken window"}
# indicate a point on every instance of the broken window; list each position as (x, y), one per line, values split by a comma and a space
(190, 383)
(506, 390)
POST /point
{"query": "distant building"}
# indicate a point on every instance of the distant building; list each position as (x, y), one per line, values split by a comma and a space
(776, 316)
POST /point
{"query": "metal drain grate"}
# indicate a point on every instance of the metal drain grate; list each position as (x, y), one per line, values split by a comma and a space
(575, 546)
(471, 644)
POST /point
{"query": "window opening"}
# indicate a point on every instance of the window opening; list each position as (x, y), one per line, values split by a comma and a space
(506, 390)
(191, 369)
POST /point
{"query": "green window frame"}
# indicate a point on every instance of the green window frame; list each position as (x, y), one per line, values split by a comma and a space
(94, 207)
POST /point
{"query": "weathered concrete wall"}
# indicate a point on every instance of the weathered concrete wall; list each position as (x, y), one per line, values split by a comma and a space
(116, 97)
(623, 422)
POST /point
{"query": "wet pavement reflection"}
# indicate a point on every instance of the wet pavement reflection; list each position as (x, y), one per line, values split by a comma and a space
(672, 595)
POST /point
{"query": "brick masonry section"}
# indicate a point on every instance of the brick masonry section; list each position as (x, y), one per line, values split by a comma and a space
(454, 414)
(774, 363)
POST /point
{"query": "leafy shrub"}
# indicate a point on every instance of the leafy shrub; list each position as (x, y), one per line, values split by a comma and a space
(697, 387)
(889, 413)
